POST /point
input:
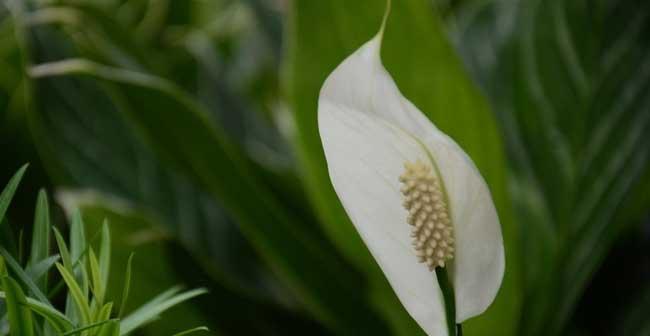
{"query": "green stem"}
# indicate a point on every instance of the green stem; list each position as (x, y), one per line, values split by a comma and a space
(450, 302)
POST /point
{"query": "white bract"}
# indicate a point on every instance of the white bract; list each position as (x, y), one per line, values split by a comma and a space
(415, 197)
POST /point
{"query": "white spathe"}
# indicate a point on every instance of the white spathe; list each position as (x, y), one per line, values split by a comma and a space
(369, 130)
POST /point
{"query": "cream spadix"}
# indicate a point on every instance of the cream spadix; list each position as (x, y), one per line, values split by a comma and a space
(415, 197)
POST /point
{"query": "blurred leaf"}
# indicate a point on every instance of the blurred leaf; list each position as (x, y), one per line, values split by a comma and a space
(426, 69)
(76, 143)
(163, 114)
(570, 81)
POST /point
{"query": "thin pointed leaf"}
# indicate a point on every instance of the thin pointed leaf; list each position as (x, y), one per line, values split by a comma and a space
(149, 311)
(42, 267)
(41, 236)
(127, 286)
(97, 286)
(9, 190)
(63, 250)
(78, 297)
(91, 326)
(23, 277)
(105, 252)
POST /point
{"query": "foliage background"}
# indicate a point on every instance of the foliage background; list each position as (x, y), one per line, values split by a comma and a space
(191, 126)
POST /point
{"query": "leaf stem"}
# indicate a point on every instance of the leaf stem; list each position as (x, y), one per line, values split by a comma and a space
(450, 303)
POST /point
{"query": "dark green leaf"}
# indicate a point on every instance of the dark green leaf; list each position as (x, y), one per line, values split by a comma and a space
(164, 114)
(570, 81)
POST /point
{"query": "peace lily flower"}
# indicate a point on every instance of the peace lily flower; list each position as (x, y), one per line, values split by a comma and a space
(415, 197)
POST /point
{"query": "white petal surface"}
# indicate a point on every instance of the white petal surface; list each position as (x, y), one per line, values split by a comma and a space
(368, 129)
(365, 157)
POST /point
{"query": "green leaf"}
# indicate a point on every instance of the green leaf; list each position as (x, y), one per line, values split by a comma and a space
(308, 264)
(96, 325)
(155, 307)
(97, 286)
(570, 81)
(76, 126)
(55, 318)
(9, 190)
(21, 322)
(63, 250)
(78, 297)
(105, 253)
(126, 286)
(111, 329)
(78, 247)
(23, 277)
(40, 269)
(41, 236)
(417, 53)
(104, 313)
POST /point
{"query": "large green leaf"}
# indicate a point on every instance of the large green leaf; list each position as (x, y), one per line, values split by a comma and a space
(570, 80)
(76, 127)
(165, 115)
(416, 52)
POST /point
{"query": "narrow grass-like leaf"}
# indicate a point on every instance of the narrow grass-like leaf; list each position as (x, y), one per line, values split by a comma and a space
(77, 236)
(127, 286)
(105, 252)
(97, 286)
(9, 190)
(63, 250)
(21, 322)
(56, 319)
(191, 331)
(77, 250)
(42, 267)
(147, 312)
(89, 327)
(23, 277)
(80, 300)
(41, 236)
